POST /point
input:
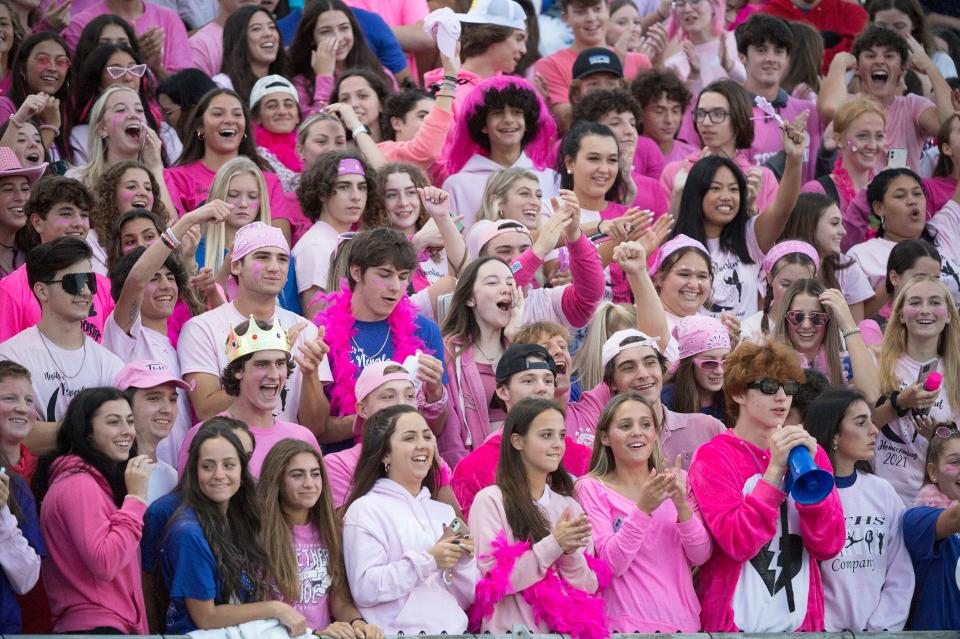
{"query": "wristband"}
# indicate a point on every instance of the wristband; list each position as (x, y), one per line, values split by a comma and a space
(50, 127)
(451, 78)
(850, 331)
(16, 123)
(896, 406)
(362, 128)
(170, 239)
(356, 619)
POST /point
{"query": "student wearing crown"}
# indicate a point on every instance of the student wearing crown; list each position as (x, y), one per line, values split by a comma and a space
(371, 319)
(258, 263)
(258, 366)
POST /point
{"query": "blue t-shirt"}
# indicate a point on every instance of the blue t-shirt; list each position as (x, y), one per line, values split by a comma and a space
(371, 338)
(288, 299)
(154, 524)
(190, 572)
(936, 564)
(376, 32)
(30, 527)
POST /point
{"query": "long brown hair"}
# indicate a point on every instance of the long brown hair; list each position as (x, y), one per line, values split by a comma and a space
(687, 394)
(234, 539)
(376, 445)
(461, 322)
(831, 337)
(276, 535)
(602, 461)
(526, 521)
(375, 215)
(194, 146)
(104, 215)
(945, 163)
(802, 225)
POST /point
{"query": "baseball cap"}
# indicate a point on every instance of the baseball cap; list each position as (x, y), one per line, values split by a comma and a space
(596, 60)
(515, 360)
(271, 84)
(505, 13)
(482, 231)
(614, 344)
(374, 376)
(148, 374)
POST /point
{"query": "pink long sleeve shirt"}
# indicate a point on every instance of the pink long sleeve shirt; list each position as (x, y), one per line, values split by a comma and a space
(650, 556)
(92, 570)
(743, 586)
(488, 519)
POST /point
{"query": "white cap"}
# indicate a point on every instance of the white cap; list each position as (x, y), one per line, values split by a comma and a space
(271, 84)
(612, 347)
(505, 13)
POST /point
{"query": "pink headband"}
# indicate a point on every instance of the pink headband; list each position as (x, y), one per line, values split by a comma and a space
(350, 166)
(672, 246)
(699, 333)
(782, 249)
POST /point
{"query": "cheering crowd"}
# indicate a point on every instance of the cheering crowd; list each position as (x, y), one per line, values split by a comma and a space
(378, 317)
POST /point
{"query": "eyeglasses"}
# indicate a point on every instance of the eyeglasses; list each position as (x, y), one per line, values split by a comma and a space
(73, 283)
(717, 116)
(772, 386)
(817, 318)
(709, 365)
(43, 60)
(136, 70)
(680, 4)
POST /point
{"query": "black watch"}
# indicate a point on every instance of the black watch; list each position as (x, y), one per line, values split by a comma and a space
(896, 406)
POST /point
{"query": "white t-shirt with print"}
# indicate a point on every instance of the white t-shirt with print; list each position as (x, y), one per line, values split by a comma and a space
(735, 284)
(58, 374)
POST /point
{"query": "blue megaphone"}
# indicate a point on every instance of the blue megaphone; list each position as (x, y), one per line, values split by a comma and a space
(807, 482)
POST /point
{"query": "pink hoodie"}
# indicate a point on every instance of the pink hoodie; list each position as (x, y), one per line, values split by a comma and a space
(743, 583)
(92, 571)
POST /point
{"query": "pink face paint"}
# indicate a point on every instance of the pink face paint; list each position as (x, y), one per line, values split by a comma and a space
(951, 469)
(939, 312)
(911, 313)
(127, 195)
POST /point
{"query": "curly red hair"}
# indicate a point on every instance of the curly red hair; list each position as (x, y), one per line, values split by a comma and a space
(750, 362)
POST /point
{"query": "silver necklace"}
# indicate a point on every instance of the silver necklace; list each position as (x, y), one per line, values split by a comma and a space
(43, 340)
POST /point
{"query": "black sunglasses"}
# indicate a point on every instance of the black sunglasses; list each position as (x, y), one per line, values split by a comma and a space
(73, 283)
(771, 386)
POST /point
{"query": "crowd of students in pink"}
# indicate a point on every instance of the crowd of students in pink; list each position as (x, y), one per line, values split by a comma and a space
(380, 317)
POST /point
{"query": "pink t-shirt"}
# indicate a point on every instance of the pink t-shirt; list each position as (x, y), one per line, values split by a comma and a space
(19, 309)
(201, 350)
(57, 374)
(557, 70)
(312, 254)
(206, 48)
(651, 556)
(648, 160)
(938, 190)
(264, 439)
(176, 54)
(903, 128)
(313, 561)
(680, 151)
(683, 433)
(396, 13)
(143, 343)
(189, 186)
(341, 466)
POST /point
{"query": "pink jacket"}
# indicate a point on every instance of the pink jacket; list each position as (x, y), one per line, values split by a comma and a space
(92, 570)
(468, 420)
(742, 513)
(488, 520)
(650, 556)
(394, 580)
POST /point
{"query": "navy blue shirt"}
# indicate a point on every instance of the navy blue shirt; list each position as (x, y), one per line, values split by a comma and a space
(154, 525)
(376, 32)
(936, 598)
(30, 527)
(370, 345)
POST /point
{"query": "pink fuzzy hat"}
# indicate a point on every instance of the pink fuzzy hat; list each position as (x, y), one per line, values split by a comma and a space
(463, 147)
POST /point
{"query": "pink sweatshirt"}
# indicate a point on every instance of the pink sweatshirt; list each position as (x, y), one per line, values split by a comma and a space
(92, 571)
(422, 151)
(488, 520)
(650, 556)
(742, 586)
(394, 580)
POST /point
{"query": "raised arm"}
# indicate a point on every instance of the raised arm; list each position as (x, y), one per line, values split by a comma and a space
(773, 219)
(833, 90)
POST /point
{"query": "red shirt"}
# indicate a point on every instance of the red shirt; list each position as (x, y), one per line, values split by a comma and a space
(838, 21)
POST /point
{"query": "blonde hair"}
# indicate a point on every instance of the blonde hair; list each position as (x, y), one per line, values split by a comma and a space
(215, 235)
(96, 165)
(895, 343)
(607, 320)
(496, 191)
(852, 110)
(602, 461)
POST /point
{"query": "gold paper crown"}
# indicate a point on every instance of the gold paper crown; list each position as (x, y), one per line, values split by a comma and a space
(256, 339)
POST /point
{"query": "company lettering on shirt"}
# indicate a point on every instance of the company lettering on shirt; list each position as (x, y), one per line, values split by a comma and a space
(867, 538)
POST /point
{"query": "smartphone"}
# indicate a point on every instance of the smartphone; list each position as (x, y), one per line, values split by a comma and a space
(925, 369)
(897, 159)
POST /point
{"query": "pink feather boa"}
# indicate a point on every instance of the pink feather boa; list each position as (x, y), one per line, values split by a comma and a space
(930, 495)
(337, 316)
(555, 603)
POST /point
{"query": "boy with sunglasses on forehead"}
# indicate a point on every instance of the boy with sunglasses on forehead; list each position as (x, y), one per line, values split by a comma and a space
(57, 207)
(764, 574)
(62, 360)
